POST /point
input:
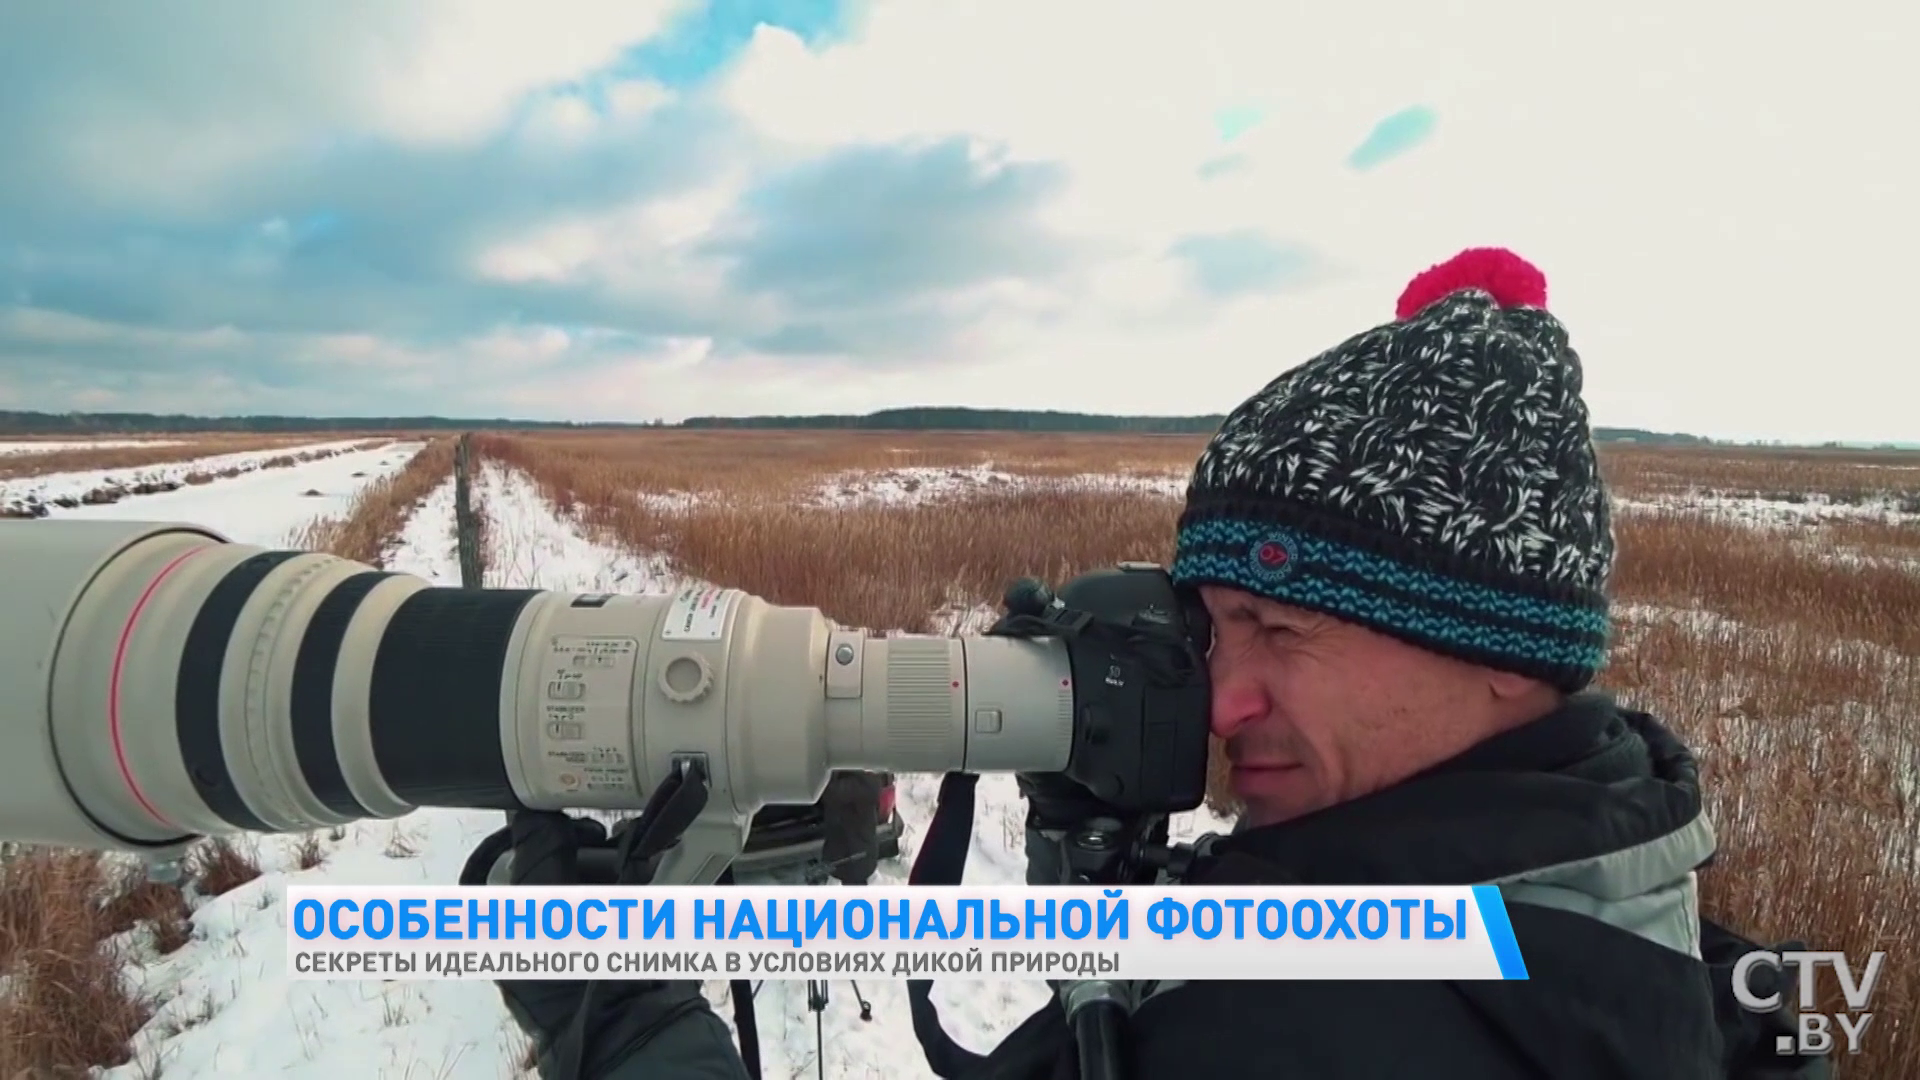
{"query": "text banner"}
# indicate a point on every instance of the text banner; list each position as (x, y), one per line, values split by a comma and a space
(899, 932)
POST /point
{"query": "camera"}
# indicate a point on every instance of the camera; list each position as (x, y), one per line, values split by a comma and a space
(160, 684)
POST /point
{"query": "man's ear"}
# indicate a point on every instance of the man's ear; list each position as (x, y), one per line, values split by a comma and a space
(1508, 686)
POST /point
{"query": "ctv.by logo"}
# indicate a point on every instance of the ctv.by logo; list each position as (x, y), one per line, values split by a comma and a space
(1815, 1031)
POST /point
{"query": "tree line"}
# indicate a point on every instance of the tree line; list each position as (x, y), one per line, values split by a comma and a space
(926, 418)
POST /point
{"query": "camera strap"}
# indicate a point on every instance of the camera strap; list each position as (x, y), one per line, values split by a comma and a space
(943, 861)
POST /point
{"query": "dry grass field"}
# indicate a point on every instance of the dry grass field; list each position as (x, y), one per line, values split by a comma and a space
(1768, 600)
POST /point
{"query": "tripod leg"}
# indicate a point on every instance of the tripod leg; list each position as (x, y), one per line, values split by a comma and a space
(820, 1045)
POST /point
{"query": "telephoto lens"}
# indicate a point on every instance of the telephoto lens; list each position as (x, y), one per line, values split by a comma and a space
(161, 684)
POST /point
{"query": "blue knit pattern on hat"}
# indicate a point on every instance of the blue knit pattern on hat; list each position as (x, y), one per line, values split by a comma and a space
(1449, 615)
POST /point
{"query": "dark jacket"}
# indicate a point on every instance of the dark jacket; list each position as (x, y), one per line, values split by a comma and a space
(1590, 820)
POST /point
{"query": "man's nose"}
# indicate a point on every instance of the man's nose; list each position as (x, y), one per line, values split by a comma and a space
(1236, 703)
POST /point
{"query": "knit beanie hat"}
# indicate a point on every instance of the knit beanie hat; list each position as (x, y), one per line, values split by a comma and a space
(1432, 478)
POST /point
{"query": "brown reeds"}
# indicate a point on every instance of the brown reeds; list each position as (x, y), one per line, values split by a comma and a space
(67, 1004)
(368, 531)
(70, 922)
(1845, 477)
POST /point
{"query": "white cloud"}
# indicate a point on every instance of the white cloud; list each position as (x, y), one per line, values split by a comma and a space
(188, 98)
(459, 68)
(570, 119)
(1720, 194)
(644, 251)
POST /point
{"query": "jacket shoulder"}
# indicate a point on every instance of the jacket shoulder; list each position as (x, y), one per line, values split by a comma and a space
(1601, 1000)
(1358, 1028)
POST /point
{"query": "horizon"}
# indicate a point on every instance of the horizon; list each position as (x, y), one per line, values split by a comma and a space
(508, 422)
(673, 208)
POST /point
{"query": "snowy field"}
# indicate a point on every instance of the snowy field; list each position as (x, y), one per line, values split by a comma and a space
(230, 1011)
(924, 483)
(50, 487)
(1811, 509)
(8, 449)
(265, 506)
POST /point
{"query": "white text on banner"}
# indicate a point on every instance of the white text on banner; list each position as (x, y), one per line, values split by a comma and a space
(433, 932)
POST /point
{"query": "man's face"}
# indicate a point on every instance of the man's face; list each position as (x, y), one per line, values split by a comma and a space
(1315, 711)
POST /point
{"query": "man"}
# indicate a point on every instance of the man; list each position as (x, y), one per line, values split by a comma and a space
(1403, 545)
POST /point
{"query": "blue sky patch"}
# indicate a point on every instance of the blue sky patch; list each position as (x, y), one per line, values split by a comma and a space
(1231, 123)
(1394, 136)
(701, 41)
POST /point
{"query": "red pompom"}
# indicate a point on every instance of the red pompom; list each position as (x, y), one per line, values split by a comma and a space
(1513, 281)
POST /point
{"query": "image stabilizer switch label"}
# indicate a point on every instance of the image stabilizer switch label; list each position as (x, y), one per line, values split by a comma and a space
(586, 694)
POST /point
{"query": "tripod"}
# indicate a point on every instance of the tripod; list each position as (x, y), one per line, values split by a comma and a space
(817, 1004)
(817, 988)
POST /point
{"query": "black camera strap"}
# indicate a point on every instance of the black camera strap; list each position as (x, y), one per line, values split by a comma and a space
(674, 805)
(943, 861)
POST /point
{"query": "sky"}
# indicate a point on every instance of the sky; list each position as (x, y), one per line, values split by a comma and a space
(651, 209)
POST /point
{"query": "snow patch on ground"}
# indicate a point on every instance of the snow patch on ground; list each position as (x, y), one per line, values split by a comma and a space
(1698, 621)
(530, 547)
(1854, 559)
(1813, 509)
(428, 546)
(921, 484)
(959, 620)
(8, 449)
(265, 507)
(244, 1017)
(668, 502)
(48, 487)
(1711, 625)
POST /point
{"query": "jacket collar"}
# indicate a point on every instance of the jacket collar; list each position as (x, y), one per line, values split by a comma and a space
(1591, 807)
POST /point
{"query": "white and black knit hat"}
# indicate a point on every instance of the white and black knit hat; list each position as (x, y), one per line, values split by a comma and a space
(1433, 478)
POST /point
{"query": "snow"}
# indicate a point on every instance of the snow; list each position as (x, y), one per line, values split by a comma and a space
(230, 1011)
(1811, 509)
(10, 448)
(262, 507)
(920, 484)
(529, 549)
(668, 502)
(50, 486)
(427, 545)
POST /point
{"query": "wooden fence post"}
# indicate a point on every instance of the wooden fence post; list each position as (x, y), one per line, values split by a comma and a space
(466, 528)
